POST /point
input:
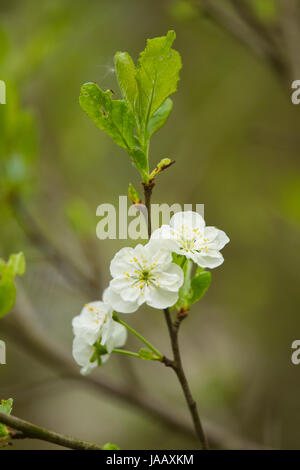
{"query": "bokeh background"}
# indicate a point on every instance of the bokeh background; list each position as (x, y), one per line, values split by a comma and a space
(234, 134)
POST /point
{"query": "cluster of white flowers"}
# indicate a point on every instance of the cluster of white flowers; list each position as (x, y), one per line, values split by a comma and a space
(144, 274)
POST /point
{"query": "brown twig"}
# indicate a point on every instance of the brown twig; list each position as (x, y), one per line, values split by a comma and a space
(176, 365)
(32, 431)
(148, 188)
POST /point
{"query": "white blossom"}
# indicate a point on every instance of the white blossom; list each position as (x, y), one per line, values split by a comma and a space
(93, 328)
(144, 274)
(187, 235)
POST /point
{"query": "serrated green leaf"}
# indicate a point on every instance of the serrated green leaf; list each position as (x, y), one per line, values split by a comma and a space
(157, 75)
(109, 446)
(146, 105)
(7, 296)
(199, 285)
(125, 70)
(160, 117)
(112, 116)
(5, 407)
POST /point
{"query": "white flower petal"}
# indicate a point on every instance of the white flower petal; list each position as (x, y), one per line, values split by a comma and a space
(121, 282)
(93, 317)
(86, 329)
(87, 369)
(163, 238)
(121, 262)
(164, 232)
(159, 252)
(217, 237)
(119, 304)
(160, 298)
(105, 299)
(172, 278)
(82, 351)
(209, 260)
(187, 219)
(118, 337)
(131, 294)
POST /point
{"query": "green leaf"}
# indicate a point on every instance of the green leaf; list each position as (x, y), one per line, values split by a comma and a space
(8, 271)
(146, 354)
(140, 161)
(16, 264)
(146, 104)
(109, 446)
(160, 117)
(125, 70)
(5, 407)
(112, 116)
(7, 296)
(161, 166)
(199, 285)
(157, 75)
(133, 195)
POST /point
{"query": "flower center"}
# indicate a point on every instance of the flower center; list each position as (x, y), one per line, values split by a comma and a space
(145, 276)
(191, 239)
(188, 244)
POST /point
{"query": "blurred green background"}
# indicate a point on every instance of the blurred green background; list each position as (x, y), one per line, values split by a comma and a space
(234, 134)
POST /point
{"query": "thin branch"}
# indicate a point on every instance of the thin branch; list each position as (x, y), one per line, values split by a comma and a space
(24, 326)
(148, 188)
(176, 365)
(32, 431)
(247, 14)
(59, 260)
(239, 25)
(290, 28)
